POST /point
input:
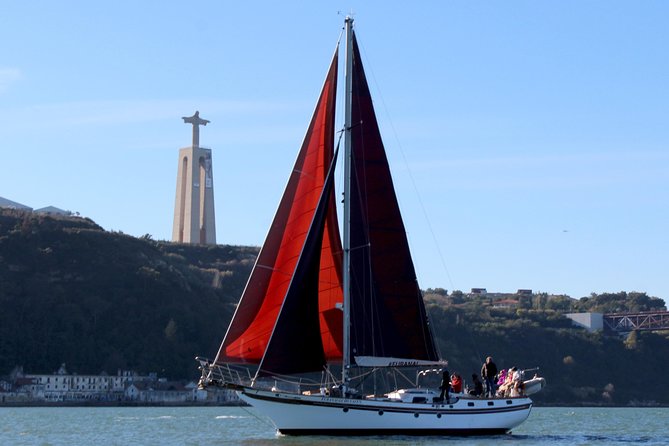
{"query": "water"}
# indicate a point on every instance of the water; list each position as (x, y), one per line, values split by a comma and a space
(103, 426)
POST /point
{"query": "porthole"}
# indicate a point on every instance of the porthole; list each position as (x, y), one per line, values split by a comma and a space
(380, 412)
(450, 406)
(509, 402)
(345, 409)
(470, 404)
(438, 415)
(415, 415)
(490, 403)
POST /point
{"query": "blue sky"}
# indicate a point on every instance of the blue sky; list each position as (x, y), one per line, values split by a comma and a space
(528, 139)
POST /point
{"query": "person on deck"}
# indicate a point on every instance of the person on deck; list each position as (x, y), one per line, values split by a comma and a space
(517, 385)
(501, 377)
(477, 390)
(488, 372)
(456, 383)
(445, 386)
(504, 389)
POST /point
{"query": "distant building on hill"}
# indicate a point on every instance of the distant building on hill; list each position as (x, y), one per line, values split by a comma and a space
(52, 210)
(5, 203)
(505, 303)
(589, 321)
(48, 210)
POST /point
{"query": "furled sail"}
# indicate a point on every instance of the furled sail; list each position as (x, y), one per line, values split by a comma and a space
(388, 316)
(255, 319)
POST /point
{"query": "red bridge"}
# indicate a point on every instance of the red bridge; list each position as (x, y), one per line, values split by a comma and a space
(648, 320)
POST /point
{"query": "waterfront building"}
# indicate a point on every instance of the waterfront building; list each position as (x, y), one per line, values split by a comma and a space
(124, 387)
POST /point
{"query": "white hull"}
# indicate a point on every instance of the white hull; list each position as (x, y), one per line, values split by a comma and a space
(316, 414)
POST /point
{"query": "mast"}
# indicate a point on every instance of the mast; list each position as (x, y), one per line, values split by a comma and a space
(346, 354)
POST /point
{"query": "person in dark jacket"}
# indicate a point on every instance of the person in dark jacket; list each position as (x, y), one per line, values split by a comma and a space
(488, 372)
(477, 390)
(445, 386)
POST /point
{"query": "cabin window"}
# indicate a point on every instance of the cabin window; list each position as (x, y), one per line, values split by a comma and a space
(470, 404)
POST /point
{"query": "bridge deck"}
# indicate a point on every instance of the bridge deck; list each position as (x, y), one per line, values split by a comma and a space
(649, 320)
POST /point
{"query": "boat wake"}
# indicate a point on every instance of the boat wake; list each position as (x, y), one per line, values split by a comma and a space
(580, 439)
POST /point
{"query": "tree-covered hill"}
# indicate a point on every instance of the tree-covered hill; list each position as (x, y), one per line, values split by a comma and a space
(99, 301)
(73, 293)
(581, 368)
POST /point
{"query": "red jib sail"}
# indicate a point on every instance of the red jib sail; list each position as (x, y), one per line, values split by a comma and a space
(255, 319)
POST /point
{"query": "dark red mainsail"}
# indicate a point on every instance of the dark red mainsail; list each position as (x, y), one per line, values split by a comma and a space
(388, 317)
(270, 282)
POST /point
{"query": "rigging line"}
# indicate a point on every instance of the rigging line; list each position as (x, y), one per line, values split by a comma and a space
(285, 273)
(364, 375)
(291, 379)
(306, 174)
(403, 375)
(406, 163)
(264, 421)
(329, 374)
(366, 245)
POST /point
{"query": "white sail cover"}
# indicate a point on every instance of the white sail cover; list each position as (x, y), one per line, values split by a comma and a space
(376, 361)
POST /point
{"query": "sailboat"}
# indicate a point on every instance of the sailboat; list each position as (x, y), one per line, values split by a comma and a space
(314, 306)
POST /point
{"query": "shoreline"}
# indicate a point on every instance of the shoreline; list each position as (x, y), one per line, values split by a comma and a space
(120, 404)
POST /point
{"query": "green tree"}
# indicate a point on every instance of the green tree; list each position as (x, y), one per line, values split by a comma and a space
(632, 341)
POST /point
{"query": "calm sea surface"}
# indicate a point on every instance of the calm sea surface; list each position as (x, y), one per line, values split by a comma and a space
(232, 426)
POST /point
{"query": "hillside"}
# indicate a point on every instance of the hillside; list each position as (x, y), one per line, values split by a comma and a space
(99, 301)
(72, 292)
(581, 368)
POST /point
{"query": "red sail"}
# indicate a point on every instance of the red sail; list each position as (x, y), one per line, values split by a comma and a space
(388, 315)
(299, 321)
(255, 318)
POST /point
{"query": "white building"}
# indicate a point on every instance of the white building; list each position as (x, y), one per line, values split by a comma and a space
(123, 387)
(589, 321)
(62, 386)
